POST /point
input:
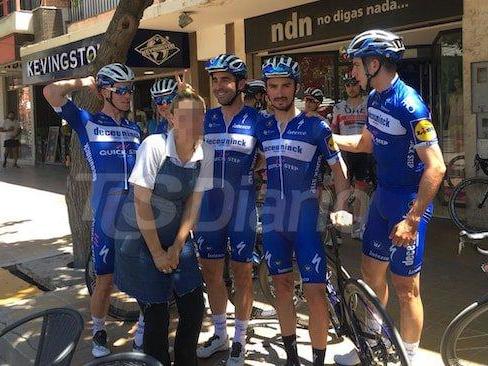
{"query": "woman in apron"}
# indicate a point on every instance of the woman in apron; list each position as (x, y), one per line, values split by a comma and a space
(155, 257)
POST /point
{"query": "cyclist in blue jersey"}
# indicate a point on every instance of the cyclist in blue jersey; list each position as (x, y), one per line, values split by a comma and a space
(294, 145)
(163, 92)
(410, 168)
(109, 142)
(228, 213)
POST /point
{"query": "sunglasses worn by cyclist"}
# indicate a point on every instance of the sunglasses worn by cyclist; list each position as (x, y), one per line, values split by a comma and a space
(311, 100)
(122, 90)
(351, 83)
(165, 99)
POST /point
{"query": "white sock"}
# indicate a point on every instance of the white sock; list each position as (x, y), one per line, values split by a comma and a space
(139, 336)
(98, 324)
(220, 324)
(240, 332)
(411, 349)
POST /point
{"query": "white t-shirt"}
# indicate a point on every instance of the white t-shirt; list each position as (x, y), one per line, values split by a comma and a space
(155, 149)
(8, 123)
(350, 120)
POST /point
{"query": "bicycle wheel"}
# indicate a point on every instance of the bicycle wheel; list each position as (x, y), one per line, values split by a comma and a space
(122, 306)
(455, 171)
(468, 205)
(375, 336)
(465, 341)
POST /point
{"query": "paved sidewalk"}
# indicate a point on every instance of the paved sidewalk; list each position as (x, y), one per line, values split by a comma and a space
(35, 237)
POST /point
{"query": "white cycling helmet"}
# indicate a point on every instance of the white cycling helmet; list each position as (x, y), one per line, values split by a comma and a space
(164, 87)
(114, 73)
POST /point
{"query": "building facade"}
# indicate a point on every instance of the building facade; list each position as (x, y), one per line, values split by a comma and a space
(445, 60)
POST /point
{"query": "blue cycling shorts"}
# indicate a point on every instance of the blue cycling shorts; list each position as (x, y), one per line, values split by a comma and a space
(105, 213)
(227, 222)
(387, 209)
(291, 230)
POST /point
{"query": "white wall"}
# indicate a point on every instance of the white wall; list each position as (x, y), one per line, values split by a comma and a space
(210, 42)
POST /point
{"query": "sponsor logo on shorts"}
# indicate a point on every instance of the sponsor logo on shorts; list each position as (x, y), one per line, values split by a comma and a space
(103, 253)
(410, 255)
(240, 247)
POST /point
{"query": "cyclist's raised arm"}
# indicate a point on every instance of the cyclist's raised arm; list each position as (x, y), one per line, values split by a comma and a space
(355, 143)
(55, 93)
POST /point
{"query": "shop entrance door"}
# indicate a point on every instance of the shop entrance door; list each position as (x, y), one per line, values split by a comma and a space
(417, 73)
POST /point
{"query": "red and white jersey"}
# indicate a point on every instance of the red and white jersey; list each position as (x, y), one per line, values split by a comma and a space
(349, 120)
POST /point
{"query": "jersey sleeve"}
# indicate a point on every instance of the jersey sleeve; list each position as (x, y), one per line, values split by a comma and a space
(417, 116)
(150, 157)
(75, 116)
(205, 178)
(326, 143)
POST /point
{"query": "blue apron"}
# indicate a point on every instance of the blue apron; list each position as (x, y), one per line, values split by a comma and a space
(135, 272)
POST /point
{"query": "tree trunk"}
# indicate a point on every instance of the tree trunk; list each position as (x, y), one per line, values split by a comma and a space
(114, 48)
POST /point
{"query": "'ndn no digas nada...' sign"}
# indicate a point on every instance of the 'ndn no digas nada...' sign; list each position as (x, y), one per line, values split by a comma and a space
(327, 20)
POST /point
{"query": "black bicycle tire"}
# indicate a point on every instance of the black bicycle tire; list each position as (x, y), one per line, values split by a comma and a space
(113, 311)
(455, 328)
(364, 290)
(452, 203)
(449, 169)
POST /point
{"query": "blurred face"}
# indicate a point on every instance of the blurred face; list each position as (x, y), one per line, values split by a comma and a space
(121, 95)
(281, 93)
(311, 105)
(10, 116)
(353, 90)
(225, 87)
(187, 118)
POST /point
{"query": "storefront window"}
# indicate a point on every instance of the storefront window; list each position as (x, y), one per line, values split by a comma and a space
(318, 71)
(448, 108)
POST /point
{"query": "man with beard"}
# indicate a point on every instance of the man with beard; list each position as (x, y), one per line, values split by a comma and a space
(349, 118)
(228, 213)
(294, 145)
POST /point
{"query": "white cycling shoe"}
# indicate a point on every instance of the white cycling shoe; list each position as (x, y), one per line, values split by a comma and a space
(212, 346)
(349, 359)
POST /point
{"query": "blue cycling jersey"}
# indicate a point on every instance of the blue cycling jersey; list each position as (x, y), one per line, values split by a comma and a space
(400, 122)
(234, 144)
(294, 156)
(110, 150)
(228, 210)
(290, 212)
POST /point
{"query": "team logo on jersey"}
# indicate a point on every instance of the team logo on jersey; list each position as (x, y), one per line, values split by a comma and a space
(425, 131)
(331, 144)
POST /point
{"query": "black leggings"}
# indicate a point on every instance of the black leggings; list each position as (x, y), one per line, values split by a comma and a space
(156, 319)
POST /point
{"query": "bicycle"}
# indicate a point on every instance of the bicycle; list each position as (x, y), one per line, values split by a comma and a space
(355, 312)
(466, 337)
(468, 204)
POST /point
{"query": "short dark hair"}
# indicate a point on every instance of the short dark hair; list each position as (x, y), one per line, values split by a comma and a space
(385, 63)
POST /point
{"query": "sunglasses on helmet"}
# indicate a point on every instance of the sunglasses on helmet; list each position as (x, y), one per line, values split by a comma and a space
(122, 90)
(163, 99)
